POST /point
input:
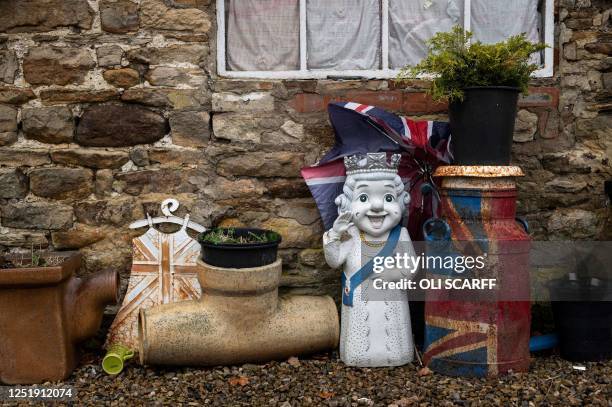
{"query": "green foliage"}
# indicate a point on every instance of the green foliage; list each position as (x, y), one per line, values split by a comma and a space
(36, 258)
(228, 236)
(457, 63)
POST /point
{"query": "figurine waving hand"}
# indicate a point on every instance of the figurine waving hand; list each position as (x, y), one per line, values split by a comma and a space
(375, 323)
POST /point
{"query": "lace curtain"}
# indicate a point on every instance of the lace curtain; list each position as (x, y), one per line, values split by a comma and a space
(263, 35)
(343, 34)
(413, 22)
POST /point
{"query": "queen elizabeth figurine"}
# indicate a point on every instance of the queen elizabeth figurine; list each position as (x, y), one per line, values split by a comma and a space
(375, 322)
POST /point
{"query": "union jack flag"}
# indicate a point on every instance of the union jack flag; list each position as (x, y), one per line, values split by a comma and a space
(164, 270)
(460, 348)
(361, 129)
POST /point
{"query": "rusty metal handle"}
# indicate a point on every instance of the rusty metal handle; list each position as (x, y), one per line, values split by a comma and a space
(523, 223)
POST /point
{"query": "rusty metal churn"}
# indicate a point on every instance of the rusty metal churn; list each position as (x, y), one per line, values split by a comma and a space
(480, 327)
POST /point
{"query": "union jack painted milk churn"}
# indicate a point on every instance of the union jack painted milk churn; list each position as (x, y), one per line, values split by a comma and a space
(479, 332)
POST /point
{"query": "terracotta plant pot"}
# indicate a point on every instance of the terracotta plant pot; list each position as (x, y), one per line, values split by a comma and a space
(44, 313)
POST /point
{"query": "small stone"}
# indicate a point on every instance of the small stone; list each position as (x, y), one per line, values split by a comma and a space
(14, 95)
(8, 119)
(109, 55)
(599, 48)
(569, 51)
(32, 16)
(174, 76)
(251, 102)
(580, 160)
(8, 66)
(293, 234)
(245, 127)
(77, 237)
(295, 362)
(288, 188)
(525, 126)
(245, 86)
(312, 258)
(566, 185)
(61, 183)
(139, 156)
(49, 124)
(104, 182)
(172, 54)
(57, 96)
(303, 210)
(88, 157)
(22, 238)
(294, 130)
(171, 98)
(99, 126)
(8, 138)
(13, 184)
(260, 164)
(163, 180)
(122, 77)
(223, 188)
(573, 223)
(49, 65)
(24, 158)
(118, 212)
(176, 157)
(156, 15)
(119, 16)
(190, 129)
(37, 215)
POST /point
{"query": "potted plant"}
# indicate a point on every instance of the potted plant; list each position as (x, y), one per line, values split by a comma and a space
(482, 83)
(582, 302)
(582, 310)
(239, 247)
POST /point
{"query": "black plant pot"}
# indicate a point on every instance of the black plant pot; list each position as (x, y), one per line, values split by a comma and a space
(240, 255)
(583, 318)
(482, 125)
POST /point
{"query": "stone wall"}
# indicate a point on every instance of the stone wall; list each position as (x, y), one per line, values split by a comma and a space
(109, 106)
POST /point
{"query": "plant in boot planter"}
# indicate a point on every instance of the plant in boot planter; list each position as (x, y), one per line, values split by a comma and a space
(481, 83)
(239, 247)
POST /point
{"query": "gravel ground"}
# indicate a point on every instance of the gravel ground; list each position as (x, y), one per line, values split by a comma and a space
(324, 380)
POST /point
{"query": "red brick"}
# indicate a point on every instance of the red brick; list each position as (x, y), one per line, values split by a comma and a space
(307, 103)
(420, 102)
(389, 100)
(540, 97)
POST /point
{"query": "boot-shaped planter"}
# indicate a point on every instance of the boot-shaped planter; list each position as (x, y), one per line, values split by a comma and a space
(238, 319)
(44, 313)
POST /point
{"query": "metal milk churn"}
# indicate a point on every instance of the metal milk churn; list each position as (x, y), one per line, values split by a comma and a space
(478, 331)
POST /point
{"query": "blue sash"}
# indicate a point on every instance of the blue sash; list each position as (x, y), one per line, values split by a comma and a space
(368, 268)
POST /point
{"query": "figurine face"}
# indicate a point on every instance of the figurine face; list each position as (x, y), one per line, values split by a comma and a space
(375, 207)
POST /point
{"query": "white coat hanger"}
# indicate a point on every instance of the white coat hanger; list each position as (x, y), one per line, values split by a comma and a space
(167, 207)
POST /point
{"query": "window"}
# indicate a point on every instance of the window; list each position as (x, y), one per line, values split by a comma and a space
(301, 39)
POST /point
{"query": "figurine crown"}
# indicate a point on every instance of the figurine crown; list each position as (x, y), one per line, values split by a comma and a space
(371, 162)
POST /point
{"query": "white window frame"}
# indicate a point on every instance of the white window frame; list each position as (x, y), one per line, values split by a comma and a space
(385, 72)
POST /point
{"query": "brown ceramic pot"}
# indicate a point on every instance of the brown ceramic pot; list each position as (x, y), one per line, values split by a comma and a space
(44, 313)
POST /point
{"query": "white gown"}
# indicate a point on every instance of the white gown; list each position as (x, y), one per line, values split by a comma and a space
(374, 332)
